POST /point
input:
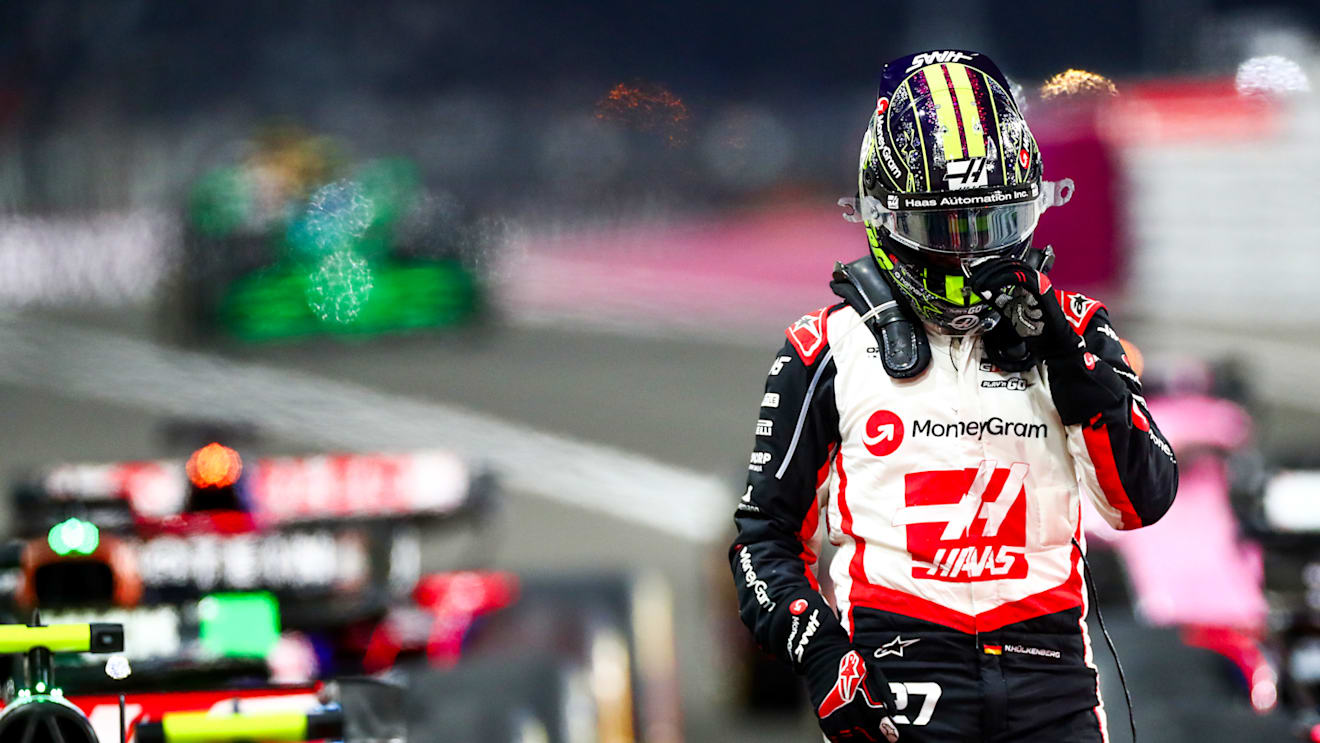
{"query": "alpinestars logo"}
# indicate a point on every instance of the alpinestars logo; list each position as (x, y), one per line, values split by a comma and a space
(971, 173)
(852, 672)
(1078, 308)
(894, 647)
(942, 511)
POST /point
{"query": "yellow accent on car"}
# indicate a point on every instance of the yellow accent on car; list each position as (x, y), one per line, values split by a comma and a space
(57, 638)
(201, 727)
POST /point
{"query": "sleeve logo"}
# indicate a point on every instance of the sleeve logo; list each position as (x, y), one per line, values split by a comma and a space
(1078, 308)
(808, 335)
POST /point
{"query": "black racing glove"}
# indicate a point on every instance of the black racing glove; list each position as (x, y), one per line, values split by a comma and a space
(1026, 300)
(851, 697)
(1084, 387)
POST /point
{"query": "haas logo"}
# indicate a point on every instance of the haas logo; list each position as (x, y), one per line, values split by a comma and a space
(971, 173)
(883, 433)
(966, 525)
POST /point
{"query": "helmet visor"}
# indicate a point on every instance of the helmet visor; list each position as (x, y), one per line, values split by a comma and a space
(965, 232)
(957, 225)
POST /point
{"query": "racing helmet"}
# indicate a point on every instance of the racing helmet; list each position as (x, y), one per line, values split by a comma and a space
(949, 175)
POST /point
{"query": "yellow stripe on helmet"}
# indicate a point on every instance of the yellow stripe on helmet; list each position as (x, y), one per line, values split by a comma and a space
(881, 257)
(962, 90)
(925, 156)
(994, 116)
(954, 291)
(945, 110)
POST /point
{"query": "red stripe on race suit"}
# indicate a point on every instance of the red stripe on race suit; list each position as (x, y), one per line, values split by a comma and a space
(1100, 450)
(824, 472)
(856, 568)
(809, 523)
(1139, 418)
(1066, 595)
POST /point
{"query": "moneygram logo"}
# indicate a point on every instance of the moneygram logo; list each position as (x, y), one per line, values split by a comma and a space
(993, 426)
(883, 433)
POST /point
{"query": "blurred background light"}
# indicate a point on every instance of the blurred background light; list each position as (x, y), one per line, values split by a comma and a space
(1271, 75)
(648, 107)
(74, 535)
(337, 215)
(1072, 83)
(214, 466)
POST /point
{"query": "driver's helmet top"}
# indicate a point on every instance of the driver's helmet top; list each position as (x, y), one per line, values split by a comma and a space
(949, 174)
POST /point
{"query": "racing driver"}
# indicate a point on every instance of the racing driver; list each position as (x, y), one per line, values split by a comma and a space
(945, 421)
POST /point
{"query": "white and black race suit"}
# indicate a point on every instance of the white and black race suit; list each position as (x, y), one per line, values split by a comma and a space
(954, 499)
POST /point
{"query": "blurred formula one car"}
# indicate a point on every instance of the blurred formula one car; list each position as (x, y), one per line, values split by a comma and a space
(232, 576)
(294, 238)
(36, 709)
(298, 561)
(1197, 571)
(1282, 514)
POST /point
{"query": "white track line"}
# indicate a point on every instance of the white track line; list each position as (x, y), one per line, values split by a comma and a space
(98, 365)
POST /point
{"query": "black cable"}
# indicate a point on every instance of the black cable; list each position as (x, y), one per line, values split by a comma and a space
(1100, 618)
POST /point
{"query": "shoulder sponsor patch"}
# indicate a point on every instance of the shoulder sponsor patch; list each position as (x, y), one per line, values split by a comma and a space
(808, 335)
(1078, 308)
